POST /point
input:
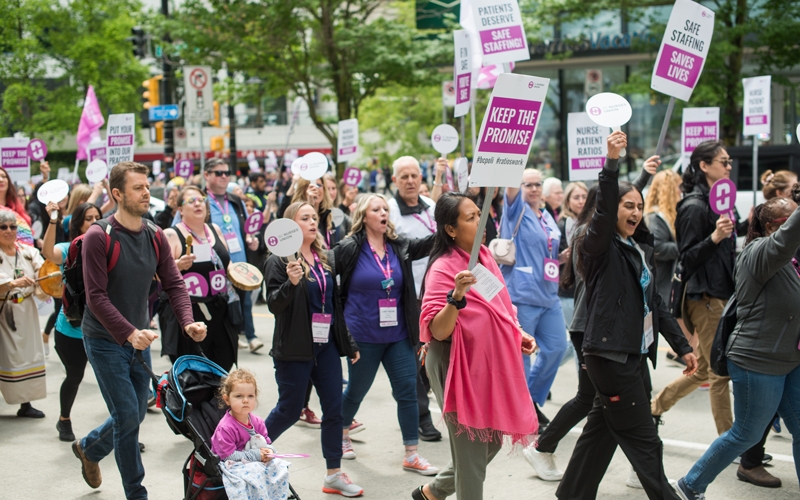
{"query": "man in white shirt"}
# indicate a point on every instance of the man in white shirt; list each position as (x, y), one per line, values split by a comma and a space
(412, 216)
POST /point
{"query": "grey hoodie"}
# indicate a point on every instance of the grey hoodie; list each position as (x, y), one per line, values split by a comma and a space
(765, 339)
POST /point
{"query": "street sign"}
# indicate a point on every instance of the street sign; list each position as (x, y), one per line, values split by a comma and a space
(167, 112)
(199, 93)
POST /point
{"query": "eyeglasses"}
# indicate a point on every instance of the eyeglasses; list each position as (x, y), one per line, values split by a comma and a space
(6, 227)
(531, 185)
(221, 173)
(727, 162)
(193, 200)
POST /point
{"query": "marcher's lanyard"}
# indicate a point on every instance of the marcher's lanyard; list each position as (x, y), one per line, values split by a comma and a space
(494, 218)
(208, 241)
(429, 224)
(796, 266)
(226, 218)
(322, 282)
(546, 230)
(17, 272)
(387, 271)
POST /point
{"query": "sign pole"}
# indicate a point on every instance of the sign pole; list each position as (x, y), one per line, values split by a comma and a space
(665, 126)
(472, 121)
(476, 245)
(755, 168)
(202, 157)
(463, 144)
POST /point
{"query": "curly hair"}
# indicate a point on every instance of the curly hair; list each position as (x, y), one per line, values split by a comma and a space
(663, 197)
(764, 214)
(227, 383)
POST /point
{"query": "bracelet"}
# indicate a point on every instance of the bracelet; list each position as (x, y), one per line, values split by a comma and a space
(458, 304)
(53, 222)
(437, 183)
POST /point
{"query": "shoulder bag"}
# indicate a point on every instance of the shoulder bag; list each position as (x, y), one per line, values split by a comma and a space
(505, 251)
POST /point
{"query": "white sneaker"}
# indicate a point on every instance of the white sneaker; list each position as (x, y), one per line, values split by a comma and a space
(633, 480)
(340, 484)
(255, 345)
(543, 463)
(243, 344)
(416, 463)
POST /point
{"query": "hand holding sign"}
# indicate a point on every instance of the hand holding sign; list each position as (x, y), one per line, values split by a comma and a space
(37, 150)
(253, 223)
(284, 238)
(723, 197)
(609, 110)
(52, 191)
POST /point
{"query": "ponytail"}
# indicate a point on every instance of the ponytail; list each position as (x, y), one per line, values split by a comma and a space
(757, 229)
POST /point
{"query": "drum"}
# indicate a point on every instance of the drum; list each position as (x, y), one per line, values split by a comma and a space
(49, 279)
(245, 276)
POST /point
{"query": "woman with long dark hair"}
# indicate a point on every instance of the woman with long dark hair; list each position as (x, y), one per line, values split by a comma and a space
(473, 358)
(763, 359)
(624, 315)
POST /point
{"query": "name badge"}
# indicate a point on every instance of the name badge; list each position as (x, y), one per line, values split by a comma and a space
(387, 309)
(551, 270)
(648, 330)
(233, 243)
(320, 327)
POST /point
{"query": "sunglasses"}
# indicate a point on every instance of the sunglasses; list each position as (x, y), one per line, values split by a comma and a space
(221, 173)
(6, 227)
(193, 200)
(531, 185)
(728, 162)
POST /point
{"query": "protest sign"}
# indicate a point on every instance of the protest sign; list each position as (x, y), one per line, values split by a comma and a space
(609, 110)
(120, 138)
(462, 71)
(283, 237)
(184, 168)
(352, 176)
(500, 29)
(462, 174)
(757, 105)
(699, 125)
(37, 150)
(96, 171)
(684, 49)
(586, 146)
(347, 140)
(312, 166)
(14, 159)
(444, 139)
(507, 132)
(722, 197)
(97, 149)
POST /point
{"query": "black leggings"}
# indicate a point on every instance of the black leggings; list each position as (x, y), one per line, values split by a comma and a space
(51, 321)
(73, 356)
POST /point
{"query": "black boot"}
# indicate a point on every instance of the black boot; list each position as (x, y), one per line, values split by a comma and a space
(64, 428)
(26, 410)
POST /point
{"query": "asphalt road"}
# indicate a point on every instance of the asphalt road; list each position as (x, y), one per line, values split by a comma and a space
(39, 466)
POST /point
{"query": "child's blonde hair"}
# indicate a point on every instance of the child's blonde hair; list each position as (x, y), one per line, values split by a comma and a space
(238, 376)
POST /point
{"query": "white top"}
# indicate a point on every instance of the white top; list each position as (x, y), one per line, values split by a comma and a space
(413, 226)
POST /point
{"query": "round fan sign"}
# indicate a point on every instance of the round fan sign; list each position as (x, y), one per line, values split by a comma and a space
(313, 166)
(462, 174)
(96, 171)
(444, 139)
(55, 191)
(37, 150)
(184, 168)
(253, 223)
(338, 216)
(609, 110)
(352, 176)
(722, 196)
(283, 237)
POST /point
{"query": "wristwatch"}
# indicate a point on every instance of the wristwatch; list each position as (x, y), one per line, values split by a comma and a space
(458, 304)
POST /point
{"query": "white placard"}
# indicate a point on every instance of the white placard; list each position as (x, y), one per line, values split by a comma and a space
(757, 109)
(684, 49)
(312, 166)
(500, 29)
(283, 237)
(488, 285)
(444, 139)
(96, 171)
(586, 145)
(699, 125)
(507, 132)
(462, 174)
(347, 140)
(295, 168)
(337, 215)
(797, 132)
(97, 150)
(199, 92)
(52, 191)
(156, 167)
(462, 71)
(120, 138)
(14, 159)
(609, 109)
(202, 252)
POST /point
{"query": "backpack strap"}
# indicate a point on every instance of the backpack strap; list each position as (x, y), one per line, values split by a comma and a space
(113, 247)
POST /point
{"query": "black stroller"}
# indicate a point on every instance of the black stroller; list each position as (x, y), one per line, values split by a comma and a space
(187, 394)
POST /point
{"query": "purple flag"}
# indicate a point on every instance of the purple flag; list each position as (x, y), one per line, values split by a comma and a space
(91, 122)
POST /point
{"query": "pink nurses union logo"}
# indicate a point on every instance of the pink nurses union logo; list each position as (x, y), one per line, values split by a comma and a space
(722, 196)
(595, 111)
(254, 223)
(551, 270)
(437, 138)
(196, 285)
(37, 150)
(272, 241)
(530, 84)
(218, 280)
(352, 176)
(184, 168)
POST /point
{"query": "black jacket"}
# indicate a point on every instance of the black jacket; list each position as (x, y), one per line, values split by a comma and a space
(613, 293)
(348, 250)
(292, 340)
(710, 265)
(666, 253)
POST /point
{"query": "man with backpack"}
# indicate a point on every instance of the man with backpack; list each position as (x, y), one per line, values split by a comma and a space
(120, 259)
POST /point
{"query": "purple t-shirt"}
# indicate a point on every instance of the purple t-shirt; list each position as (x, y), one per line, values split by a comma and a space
(361, 310)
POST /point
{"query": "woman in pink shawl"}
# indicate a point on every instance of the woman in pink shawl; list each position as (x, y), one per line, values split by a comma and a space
(473, 359)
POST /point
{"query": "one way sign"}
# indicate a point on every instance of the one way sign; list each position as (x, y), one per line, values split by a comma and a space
(168, 112)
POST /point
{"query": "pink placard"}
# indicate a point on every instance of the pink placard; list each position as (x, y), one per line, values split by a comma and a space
(184, 168)
(352, 176)
(196, 285)
(587, 163)
(254, 222)
(723, 196)
(510, 126)
(679, 66)
(37, 150)
(218, 281)
(502, 39)
(698, 133)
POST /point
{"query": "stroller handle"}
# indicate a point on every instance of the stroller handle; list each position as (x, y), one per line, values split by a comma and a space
(138, 355)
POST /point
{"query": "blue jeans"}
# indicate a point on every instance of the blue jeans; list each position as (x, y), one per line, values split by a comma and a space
(247, 310)
(401, 367)
(756, 397)
(125, 386)
(546, 325)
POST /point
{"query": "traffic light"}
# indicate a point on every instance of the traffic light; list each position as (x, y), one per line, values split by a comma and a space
(151, 92)
(159, 132)
(139, 41)
(215, 121)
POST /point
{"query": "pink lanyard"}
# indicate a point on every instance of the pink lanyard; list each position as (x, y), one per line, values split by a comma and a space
(208, 241)
(796, 266)
(322, 282)
(387, 271)
(225, 217)
(429, 224)
(546, 230)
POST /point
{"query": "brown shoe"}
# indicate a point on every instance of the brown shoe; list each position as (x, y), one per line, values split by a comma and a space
(758, 476)
(89, 469)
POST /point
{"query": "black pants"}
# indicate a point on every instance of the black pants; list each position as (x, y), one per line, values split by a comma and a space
(51, 321)
(754, 457)
(73, 356)
(423, 387)
(620, 416)
(575, 409)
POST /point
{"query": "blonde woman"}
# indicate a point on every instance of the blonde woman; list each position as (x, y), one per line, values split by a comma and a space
(574, 199)
(382, 314)
(778, 184)
(660, 210)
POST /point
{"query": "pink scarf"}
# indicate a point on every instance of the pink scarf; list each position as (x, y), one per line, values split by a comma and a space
(486, 392)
